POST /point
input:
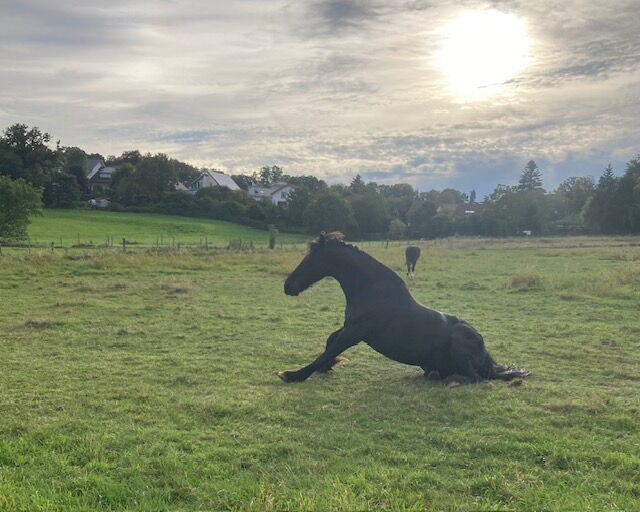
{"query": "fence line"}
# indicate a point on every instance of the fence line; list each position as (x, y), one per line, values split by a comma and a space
(205, 245)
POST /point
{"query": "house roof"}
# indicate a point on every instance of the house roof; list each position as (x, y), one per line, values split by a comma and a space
(221, 179)
(270, 190)
(93, 166)
(99, 173)
(447, 207)
(469, 209)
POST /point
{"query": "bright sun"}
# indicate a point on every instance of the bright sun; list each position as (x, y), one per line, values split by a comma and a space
(482, 50)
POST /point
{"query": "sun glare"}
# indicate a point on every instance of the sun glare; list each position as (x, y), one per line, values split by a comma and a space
(483, 50)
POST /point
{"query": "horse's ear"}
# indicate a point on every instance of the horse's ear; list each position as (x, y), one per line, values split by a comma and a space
(319, 241)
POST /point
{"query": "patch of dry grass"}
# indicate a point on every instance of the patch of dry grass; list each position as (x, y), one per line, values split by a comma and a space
(40, 324)
(527, 281)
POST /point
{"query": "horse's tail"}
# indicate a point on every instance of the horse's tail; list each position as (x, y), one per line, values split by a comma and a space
(491, 370)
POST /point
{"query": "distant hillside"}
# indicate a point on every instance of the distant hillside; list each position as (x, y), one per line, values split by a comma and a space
(95, 226)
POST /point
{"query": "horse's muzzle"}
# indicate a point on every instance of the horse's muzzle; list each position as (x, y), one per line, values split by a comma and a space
(289, 289)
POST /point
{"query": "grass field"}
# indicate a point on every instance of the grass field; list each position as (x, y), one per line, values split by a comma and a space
(72, 227)
(145, 382)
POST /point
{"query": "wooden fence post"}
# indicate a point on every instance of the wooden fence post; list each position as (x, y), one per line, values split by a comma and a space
(124, 245)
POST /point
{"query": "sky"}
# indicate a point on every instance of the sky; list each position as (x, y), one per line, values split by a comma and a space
(432, 93)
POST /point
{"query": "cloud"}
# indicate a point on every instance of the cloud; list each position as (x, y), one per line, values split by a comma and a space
(333, 87)
(327, 18)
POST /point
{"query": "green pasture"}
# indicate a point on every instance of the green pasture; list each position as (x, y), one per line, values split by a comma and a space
(145, 382)
(74, 227)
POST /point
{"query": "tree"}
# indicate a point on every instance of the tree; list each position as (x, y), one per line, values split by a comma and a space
(357, 185)
(330, 212)
(628, 197)
(62, 192)
(268, 175)
(24, 154)
(531, 177)
(397, 230)
(604, 212)
(576, 191)
(510, 211)
(472, 196)
(125, 188)
(18, 201)
(370, 212)
(297, 202)
(156, 175)
(242, 180)
(499, 192)
(310, 183)
(633, 176)
(132, 157)
(450, 196)
(75, 164)
(420, 217)
(398, 199)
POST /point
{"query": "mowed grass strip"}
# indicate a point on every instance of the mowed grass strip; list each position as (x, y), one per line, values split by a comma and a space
(142, 382)
(69, 227)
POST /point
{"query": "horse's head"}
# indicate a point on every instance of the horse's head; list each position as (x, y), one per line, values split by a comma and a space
(314, 266)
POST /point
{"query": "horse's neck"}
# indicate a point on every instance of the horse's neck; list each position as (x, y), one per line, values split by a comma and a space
(358, 272)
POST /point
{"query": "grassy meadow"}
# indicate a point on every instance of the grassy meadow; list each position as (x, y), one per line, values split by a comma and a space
(74, 227)
(145, 381)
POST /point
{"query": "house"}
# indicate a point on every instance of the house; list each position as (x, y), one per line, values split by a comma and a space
(212, 179)
(277, 193)
(447, 208)
(99, 203)
(99, 175)
(464, 209)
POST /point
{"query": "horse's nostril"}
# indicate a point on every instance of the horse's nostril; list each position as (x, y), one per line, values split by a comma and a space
(289, 289)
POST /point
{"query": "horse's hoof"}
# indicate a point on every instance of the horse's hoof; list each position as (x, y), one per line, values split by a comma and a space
(286, 376)
(340, 360)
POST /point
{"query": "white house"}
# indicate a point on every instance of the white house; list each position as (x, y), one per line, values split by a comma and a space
(276, 192)
(98, 174)
(212, 179)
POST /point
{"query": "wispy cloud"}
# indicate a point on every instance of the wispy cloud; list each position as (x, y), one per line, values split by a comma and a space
(331, 87)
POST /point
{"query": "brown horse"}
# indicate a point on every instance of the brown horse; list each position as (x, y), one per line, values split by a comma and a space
(411, 255)
(381, 312)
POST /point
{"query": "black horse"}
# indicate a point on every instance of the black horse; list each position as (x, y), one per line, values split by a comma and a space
(381, 312)
(411, 255)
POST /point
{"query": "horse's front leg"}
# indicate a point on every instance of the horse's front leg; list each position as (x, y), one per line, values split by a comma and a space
(337, 360)
(337, 343)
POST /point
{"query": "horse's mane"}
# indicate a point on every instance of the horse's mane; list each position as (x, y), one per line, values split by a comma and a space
(336, 239)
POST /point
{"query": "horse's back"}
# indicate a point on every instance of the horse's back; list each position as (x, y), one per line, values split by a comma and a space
(412, 253)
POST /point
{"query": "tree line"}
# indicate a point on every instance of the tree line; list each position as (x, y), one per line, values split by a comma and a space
(33, 174)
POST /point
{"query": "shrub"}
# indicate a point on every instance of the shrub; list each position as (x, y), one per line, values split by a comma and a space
(18, 201)
(526, 281)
